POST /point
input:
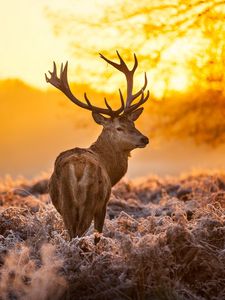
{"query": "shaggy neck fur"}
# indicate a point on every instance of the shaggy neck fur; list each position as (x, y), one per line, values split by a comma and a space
(111, 156)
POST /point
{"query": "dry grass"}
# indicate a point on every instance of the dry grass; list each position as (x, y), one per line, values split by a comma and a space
(163, 239)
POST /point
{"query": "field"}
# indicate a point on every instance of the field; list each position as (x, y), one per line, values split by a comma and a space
(163, 239)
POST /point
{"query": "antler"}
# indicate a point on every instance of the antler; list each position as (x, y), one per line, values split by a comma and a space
(129, 74)
(62, 84)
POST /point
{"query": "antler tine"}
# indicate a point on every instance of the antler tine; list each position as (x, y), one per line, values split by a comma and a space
(54, 72)
(115, 65)
(142, 89)
(139, 103)
(87, 100)
(46, 78)
(135, 63)
(122, 100)
(54, 80)
(123, 66)
(63, 75)
(107, 104)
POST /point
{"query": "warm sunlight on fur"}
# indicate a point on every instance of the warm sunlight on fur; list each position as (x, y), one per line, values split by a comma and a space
(76, 220)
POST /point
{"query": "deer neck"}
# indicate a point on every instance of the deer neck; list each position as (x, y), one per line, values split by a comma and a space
(111, 156)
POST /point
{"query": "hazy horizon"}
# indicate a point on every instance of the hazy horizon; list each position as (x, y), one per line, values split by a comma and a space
(184, 117)
(48, 124)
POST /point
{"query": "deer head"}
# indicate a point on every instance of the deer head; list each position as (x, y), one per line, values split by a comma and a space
(119, 126)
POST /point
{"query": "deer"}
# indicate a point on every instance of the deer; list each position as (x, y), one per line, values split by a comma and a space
(82, 179)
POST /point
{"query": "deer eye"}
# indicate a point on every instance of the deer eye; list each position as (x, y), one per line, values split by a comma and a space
(119, 129)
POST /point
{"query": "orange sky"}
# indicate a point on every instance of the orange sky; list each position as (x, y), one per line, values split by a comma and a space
(47, 123)
(27, 42)
(34, 33)
(29, 46)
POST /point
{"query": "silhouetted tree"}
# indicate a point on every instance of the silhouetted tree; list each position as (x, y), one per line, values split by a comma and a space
(193, 29)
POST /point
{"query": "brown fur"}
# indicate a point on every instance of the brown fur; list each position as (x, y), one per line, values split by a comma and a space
(81, 183)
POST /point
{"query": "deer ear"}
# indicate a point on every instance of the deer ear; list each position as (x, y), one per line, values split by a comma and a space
(99, 119)
(135, 114)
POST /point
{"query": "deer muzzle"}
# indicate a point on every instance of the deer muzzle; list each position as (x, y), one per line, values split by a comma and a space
(143, 142)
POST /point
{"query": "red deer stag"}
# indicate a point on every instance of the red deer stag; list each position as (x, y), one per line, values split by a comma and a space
(80, 185)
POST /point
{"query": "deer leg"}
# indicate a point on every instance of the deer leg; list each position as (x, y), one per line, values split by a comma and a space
(98, 223)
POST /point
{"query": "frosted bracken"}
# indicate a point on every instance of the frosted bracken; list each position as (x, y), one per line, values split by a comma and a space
(162, 239)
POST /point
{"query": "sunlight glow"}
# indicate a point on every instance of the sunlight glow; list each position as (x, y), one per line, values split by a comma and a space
(28, 43)
(31, 42)
(179, 82)
(179, 46)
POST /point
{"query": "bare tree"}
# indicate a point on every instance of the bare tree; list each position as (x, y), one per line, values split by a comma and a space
(151, 28)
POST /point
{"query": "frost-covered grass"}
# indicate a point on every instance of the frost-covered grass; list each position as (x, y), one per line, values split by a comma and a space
(163, 239)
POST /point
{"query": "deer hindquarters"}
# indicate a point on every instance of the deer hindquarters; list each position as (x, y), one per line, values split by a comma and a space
(78, 196)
